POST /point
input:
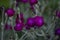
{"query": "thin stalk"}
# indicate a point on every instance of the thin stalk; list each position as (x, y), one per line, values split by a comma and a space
(6, 18)
(23, 36)
(2, 32)
(11, 18)
(36, 11)
(12, 22)
(38, 34)
(52, 30)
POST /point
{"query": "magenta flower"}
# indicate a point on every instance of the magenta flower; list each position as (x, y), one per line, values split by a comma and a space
(39, 21)
(58, 13)
(10, 12)
(57, 31)
(32, 2)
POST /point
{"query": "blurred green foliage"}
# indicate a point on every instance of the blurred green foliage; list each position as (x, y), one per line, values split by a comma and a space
(4, 3)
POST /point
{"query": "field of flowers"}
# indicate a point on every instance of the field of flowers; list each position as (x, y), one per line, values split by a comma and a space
(29, 19)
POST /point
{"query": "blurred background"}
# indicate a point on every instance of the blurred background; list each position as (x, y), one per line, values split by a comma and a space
(48, 9)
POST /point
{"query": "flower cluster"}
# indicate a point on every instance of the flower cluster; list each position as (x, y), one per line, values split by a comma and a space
(35, 21)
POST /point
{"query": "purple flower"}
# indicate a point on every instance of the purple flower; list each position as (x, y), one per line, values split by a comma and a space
(8, 27)
(21, 16)
(57, 31)
(30, 22)
(58, 13)
(39, 21)
(18, 26)
(32, 2)
(10, 12)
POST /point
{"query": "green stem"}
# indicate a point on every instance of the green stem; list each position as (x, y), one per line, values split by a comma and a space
(2, 33)
(12, 20)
